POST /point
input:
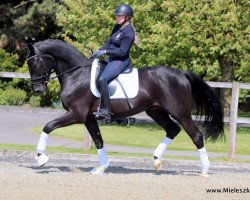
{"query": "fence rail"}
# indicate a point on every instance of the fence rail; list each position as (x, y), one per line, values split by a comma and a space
(14, 75)
(232, 119)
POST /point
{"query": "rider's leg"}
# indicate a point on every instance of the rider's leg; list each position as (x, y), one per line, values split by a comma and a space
(105, 104)
(111, 71)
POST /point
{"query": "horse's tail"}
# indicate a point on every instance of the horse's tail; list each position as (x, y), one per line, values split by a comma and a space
(208, 104)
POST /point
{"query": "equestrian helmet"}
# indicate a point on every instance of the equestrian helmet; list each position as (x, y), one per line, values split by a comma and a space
(124, 9)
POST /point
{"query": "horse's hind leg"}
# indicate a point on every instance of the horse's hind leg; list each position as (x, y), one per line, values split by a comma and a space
(94, 131)
(172, 129)
(197, 138)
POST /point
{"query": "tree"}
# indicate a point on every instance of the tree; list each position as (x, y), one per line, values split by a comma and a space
(32, 18)
(20, 18)
(210, 38)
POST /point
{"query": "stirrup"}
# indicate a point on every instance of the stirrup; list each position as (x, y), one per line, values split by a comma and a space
(103, 113)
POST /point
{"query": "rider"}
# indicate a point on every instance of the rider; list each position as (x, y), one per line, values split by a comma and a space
(118, 48)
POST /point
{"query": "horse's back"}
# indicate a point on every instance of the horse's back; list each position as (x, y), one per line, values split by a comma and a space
(164, 76)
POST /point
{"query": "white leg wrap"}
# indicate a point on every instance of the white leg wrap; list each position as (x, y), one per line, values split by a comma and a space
(204, 160)
(41, 146)
(162, 147)
(104, 162)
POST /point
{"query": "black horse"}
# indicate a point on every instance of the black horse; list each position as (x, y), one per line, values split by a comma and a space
(164, 93)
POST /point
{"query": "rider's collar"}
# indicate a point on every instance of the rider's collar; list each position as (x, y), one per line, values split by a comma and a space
(124, 25)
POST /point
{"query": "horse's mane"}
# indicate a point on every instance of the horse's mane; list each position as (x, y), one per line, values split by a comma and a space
(61, 47)
(55, 42)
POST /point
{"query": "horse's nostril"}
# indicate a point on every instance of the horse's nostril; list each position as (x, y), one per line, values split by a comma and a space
(38, 91)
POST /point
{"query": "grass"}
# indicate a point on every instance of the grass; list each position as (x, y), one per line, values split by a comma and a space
(244, 113)
(149, 136)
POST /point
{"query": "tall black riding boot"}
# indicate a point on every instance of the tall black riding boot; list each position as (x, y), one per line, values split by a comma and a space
(105, 110)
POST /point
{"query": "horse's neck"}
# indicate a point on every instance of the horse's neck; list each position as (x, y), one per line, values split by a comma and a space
(69, 65)
(64, 56)
(74, 82)
(68, 70)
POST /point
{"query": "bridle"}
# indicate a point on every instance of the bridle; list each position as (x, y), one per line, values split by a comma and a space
(46, 75)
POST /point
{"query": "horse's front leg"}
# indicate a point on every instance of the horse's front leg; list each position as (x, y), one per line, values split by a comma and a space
(64, 120)
(94, 131)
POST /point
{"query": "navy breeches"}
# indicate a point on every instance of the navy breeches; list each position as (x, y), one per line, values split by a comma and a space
(113, 69)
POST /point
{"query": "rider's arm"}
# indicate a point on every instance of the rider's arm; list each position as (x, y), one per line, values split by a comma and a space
(123, 49)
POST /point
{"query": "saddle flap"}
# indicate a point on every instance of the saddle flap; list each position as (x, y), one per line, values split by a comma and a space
(129, 80)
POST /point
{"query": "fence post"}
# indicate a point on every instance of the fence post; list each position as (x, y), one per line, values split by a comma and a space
(233, 120)
(87, 140)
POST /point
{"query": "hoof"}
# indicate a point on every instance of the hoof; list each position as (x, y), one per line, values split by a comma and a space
(204, 175)
(42, 160)
(98, 170)
(158, 164)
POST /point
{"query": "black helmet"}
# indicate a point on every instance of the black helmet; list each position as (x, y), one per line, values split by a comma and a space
(124, 9)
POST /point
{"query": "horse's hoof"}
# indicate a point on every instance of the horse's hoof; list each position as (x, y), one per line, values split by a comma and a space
(42, 160)
(98, 170)
(158, 164)
(204, 175)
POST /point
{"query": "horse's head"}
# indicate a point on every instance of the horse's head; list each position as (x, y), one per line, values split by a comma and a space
(40, 66)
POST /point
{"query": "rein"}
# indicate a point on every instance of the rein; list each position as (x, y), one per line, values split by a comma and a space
(69, 70)
(47, 75)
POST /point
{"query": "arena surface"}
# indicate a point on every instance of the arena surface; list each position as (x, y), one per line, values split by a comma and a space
(66, 176)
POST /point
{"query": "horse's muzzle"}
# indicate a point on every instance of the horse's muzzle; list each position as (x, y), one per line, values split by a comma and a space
(39, 89)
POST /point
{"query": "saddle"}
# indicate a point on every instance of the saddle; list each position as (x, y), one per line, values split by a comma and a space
(126, 85)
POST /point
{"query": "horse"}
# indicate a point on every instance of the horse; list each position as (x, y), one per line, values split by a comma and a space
(166, 94)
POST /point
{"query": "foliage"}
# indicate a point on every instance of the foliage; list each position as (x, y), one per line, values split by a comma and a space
(7, 61)
(11, 96)
(7, 64)
(19, 19)
(39, 21)
(243, 94)
(54, 89)
(86, 23)
(210, 38)
(34, 101)
(193, 35)
(26, 18)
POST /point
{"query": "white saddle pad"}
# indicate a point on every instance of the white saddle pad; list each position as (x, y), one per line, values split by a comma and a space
(129, 81)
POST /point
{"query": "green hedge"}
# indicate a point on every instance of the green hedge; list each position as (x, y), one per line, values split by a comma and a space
(12, 97)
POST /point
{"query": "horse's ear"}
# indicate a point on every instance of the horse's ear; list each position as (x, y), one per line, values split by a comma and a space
(29, 39)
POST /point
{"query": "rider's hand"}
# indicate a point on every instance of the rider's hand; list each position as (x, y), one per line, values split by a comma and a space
(98, 53)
